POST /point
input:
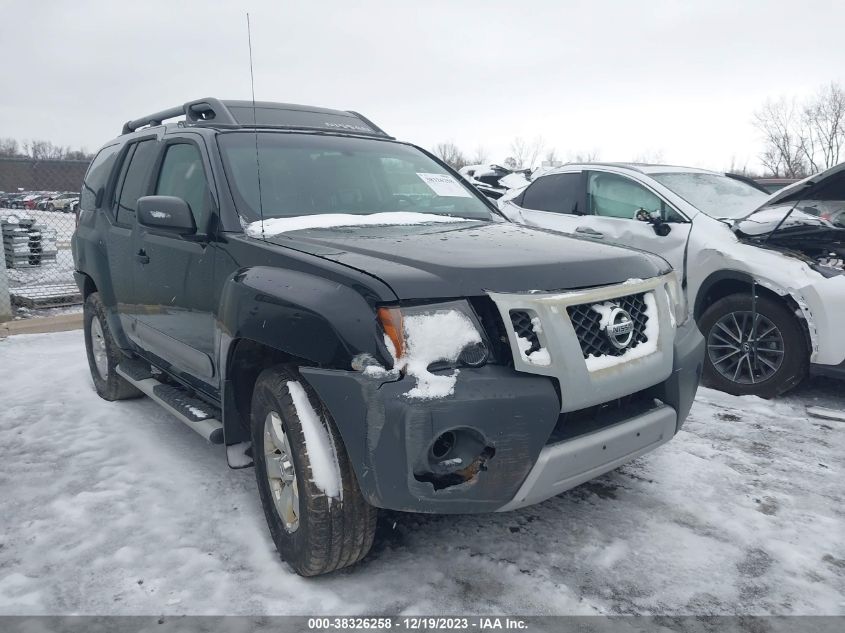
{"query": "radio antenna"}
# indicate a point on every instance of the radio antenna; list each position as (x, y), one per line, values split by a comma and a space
(255, 126)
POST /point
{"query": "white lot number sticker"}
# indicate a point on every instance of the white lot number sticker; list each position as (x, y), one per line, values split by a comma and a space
(444, 185)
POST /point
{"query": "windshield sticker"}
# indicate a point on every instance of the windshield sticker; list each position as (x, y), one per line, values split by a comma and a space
(444, 185)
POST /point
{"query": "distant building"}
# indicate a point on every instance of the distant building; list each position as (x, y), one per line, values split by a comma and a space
(41, 175)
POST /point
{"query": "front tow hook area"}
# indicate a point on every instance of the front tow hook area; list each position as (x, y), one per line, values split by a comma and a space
(455, 457)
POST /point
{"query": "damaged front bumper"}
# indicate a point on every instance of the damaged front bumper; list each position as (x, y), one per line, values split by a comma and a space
(514, 445)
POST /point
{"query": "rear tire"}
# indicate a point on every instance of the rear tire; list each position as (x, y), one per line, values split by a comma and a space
(779, 371)
(103, 353)
(314, 534)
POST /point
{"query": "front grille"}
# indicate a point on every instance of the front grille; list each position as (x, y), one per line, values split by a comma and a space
(521, 321)
(593, 339)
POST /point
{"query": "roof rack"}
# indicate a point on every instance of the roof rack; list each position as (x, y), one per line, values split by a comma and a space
(238, 114)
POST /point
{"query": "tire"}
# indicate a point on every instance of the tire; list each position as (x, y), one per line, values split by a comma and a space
(328, 533)
(101, 348)
(771, 381)
(50, 207)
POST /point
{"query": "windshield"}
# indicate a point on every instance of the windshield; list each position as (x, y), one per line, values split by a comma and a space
(314, 175)
(716, 195)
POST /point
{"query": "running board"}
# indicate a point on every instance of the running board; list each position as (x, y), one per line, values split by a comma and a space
(193, 412)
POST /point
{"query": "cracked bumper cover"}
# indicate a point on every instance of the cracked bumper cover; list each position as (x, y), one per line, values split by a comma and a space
(387, 434)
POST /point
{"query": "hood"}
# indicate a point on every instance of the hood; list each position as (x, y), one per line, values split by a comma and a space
(469, 258)
(819, 206)
(826, 185)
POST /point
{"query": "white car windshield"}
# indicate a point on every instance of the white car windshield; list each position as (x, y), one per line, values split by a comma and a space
(716, 195)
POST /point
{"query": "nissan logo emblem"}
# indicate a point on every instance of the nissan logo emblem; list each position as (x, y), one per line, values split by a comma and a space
(620, 328)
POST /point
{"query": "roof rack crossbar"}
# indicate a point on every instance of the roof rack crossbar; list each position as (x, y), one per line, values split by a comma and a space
(194, 111)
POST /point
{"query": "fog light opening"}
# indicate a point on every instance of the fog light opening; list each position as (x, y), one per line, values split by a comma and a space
(443, 445)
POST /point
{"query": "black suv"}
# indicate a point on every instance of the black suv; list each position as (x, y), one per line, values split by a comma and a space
(346, 311)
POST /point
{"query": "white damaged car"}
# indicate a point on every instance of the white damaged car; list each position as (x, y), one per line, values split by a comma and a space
(764, 276)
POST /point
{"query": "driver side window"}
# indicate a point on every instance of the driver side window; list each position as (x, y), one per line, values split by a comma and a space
(182, 175)
(614, 196)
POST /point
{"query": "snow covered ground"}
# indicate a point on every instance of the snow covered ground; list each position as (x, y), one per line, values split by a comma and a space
(116, 508)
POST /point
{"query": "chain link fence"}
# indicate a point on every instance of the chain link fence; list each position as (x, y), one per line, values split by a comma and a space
(38, 202)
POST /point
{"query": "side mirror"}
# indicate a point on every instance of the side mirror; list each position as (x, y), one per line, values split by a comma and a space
(661, 227)
(166, 213)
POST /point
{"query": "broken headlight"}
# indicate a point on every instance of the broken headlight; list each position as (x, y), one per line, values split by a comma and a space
(677, 299)
(437, 335)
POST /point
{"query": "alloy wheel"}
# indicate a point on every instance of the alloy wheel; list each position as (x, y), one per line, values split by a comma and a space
(280, 471)
(98, 348)
(745, 347)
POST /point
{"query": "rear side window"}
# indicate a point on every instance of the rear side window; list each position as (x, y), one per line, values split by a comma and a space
(558, 193)
(97, 176)
(136, 181)
(182, 176)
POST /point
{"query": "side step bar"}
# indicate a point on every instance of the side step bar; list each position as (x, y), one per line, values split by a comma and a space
(198, 415)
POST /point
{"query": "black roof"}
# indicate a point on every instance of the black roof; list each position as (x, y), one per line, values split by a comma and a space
(211, 112)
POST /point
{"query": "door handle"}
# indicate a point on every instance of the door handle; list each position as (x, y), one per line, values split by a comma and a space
(586, 230)
(143, 257)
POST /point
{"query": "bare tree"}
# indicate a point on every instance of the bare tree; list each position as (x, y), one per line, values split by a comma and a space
(551, 156)
(480, 156)
(736, 168)
(519, 154)
(784, 150)
(649, 156)
(9, 147)
(524, 154)
(44, 150)
(822, 128)
(588, 156)
(450, 154)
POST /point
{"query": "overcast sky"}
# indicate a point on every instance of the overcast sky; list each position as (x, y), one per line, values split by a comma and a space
(630, 79)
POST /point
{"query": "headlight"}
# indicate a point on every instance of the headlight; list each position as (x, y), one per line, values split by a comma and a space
(677, 299)
(446, 334)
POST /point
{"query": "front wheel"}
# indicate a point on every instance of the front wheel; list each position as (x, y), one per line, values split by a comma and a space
(317, 515)
(753, 349)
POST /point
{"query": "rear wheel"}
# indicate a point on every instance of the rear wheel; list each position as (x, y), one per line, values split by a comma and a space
(753, 349)
(316, 513)
(103, 353)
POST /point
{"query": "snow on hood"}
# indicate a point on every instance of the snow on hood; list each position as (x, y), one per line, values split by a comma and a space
(276, 226)
(515, 180)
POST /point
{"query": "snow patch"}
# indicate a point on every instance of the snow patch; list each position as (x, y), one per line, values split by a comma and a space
(429, 338)
(198, 413)
(537, 357)
(236, 455)
(652, 330)
(161, 215)
(276, 226)
(319, 446)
